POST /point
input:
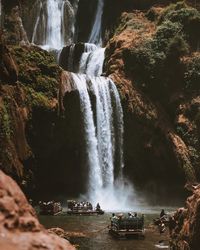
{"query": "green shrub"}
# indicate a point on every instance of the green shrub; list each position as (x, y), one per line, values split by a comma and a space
(176, 48)
(192, 74)
(187, 17)
(164, 34)
(5, 123)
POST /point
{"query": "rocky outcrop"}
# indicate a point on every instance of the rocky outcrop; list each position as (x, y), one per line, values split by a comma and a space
(151, 114)
(12, 22)
(185, 235)
(20, 102)
(39, 127)
(8, 69)
(19, 227)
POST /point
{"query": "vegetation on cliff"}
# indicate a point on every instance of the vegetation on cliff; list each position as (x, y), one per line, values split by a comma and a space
(34, 93)
(153, 58)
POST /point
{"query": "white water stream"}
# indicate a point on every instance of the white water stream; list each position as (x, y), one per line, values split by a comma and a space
(54, 24)
(95, 35)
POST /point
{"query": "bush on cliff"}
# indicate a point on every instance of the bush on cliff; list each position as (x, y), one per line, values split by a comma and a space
(157, 63)
(187, 17)
(192, 74)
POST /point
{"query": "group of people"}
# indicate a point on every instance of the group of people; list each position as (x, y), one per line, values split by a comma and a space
(80, 205)
(83, 205)
(121, 216)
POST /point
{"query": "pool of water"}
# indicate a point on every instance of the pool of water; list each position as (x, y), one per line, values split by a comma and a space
(96, 236)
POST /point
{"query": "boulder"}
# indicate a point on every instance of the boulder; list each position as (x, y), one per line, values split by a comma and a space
(19, 226)
(186, 235)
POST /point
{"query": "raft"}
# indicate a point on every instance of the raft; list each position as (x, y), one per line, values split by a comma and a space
(50, 208)
(85, 212)
(127, 227)
(82, 208)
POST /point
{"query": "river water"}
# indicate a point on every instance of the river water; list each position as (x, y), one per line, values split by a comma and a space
(96, 236)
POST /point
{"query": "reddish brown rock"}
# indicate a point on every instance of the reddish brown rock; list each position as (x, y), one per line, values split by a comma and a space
(8, 68)
(186, 235)
(158, 140)
(19, 226)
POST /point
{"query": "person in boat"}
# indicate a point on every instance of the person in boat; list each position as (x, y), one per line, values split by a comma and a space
(98, 208)
(130, 215)
(161, 227)
(162, 214)
(113, 217)
(90, 206)
(171, 225)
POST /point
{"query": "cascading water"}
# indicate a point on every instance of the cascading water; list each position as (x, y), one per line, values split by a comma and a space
(95, 35)
(91, 62)
(102, 118)
(104, 143)
(54, 25)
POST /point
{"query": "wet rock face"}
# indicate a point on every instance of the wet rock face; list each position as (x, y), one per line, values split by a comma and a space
(13, 24)
(77, 50)
(85, 17)
(19, 227)
(186, 233)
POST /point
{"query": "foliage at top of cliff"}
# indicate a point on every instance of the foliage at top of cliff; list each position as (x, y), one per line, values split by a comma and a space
(157, 63)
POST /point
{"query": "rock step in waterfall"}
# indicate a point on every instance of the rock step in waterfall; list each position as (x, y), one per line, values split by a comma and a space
(85, 58)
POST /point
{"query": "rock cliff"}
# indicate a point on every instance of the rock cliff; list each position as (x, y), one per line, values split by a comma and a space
(156, 73)
(185, 235)
(161, 138)
(19, 227)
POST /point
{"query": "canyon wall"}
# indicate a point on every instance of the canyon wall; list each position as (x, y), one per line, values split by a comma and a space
(154, 71)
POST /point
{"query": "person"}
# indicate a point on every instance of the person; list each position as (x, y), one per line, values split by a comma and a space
(114, 216)
(161, 227)
(171, 225)
(130, 215)
(162, 214)
(98, 208)
(135, 214)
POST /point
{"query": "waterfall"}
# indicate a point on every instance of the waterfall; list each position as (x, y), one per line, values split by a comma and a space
(91, 62)
(95, 35)
(54, 24)
(100, 140)
(95, 180)
(100, 104)
(105, 135)
(103, 129)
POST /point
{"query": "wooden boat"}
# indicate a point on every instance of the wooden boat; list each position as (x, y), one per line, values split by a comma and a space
(83, 208)
(50, 208)
(125, 227)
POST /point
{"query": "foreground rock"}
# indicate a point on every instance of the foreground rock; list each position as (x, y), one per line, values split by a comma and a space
(186, 235)
(19, 227)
